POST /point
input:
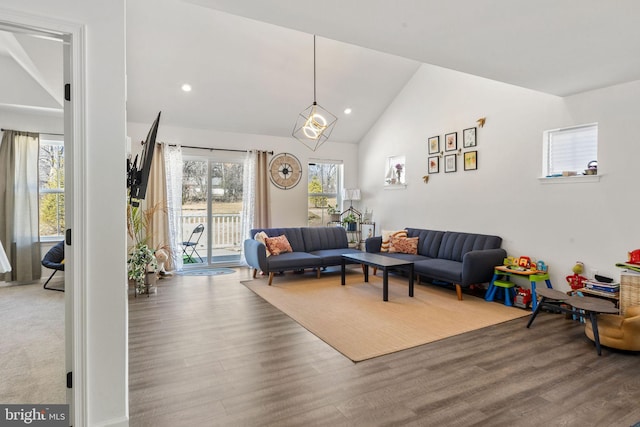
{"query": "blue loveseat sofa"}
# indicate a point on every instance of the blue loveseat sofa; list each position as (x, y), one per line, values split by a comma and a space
(313, 247)
(462, 259)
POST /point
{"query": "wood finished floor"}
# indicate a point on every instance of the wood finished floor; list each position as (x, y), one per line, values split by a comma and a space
(206, 351)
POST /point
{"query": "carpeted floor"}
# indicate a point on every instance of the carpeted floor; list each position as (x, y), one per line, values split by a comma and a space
(32, 354)
(354, 320)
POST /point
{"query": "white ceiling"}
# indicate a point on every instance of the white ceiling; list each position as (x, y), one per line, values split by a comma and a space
(31, 70)
(250, 62)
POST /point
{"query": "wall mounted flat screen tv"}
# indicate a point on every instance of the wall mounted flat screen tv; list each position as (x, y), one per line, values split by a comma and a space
(138, 174)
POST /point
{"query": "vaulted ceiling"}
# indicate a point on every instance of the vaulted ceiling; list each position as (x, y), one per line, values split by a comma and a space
(250, 62)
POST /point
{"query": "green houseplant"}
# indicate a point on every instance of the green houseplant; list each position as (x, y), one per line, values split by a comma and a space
(350, 222)
(334, 214)
(141, 261)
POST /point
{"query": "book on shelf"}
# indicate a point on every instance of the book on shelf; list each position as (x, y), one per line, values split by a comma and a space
(590, 291)
(635, 268)
(602, 286)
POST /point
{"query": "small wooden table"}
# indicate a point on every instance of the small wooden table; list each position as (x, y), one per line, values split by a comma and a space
(385, 263)
(551, 298)
(533, 276)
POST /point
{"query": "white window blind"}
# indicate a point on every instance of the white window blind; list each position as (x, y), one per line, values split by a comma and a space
(570, 149)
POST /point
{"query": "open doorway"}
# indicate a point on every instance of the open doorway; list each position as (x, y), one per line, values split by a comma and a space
(35, 64)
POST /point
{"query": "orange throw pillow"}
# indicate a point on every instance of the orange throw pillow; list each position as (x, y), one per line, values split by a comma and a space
(387, 235)
(403, 245)
(277, 245)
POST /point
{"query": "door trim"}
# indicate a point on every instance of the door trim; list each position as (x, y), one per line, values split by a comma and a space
(73, 35)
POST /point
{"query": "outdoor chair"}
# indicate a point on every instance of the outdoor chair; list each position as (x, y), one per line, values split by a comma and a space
(54, 259)
(190, 246)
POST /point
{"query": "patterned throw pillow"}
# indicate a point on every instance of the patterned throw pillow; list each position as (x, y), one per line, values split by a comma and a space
(260, 238)
(403, 245)
(278, 245)
(386, 236)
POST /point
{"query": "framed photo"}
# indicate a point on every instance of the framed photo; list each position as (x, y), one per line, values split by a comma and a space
(469, 138)
(450, 163)
(434, 164)
(434, 144)
(451, 142)
(471, 160)
(367, 231)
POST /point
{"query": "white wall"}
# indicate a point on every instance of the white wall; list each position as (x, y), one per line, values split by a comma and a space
(288, 207)
(102, 204)
(31, 122)
(592, 222)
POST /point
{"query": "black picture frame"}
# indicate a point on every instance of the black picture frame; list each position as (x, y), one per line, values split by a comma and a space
(450, 163)
(451, 141)
(469, 137)
(434, 144)
(471, 160)
(433, 164)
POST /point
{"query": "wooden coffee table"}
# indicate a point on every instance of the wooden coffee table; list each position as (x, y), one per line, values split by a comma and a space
(551, 298)
(382, 262)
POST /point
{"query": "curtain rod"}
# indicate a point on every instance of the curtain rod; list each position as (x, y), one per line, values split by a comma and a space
(40, 133)
(215, 149)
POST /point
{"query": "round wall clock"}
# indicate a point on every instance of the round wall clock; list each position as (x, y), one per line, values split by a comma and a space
(285, 170)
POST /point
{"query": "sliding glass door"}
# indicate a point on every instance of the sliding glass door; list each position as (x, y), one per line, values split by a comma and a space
(211, 209)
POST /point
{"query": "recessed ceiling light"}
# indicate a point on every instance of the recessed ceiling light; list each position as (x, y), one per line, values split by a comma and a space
(186, 87)
(347, 110)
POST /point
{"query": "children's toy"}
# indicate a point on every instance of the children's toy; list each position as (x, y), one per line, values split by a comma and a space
(634, 257)
(525, 262)
(576, 281)
(522, 298)
(541, 266)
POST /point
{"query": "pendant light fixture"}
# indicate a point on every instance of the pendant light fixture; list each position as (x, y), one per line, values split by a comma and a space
(314, 124)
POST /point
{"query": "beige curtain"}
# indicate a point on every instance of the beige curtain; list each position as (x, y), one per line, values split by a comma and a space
(255, 197)
(157, 201)
(19, 228)
(262, 216)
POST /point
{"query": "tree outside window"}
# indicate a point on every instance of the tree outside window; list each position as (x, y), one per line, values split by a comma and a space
(51, 188)
(324, 181)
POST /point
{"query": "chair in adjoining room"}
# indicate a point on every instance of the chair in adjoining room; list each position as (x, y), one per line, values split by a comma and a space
(191, 245)
(54, 259)
(620, 332)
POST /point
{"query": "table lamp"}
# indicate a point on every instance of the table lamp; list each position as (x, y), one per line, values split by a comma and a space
(351, 194)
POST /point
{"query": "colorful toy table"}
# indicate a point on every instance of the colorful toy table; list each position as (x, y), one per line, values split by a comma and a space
(502, 275)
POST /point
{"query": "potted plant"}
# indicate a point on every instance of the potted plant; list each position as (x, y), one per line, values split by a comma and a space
(141, 262)
(334, 214)
(350, 222)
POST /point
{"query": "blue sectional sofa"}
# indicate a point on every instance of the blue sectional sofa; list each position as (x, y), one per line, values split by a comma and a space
(313, 247)
(462, 259)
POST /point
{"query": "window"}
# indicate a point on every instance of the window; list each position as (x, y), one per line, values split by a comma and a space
(569, 149)
(324, 181)
(51, 186)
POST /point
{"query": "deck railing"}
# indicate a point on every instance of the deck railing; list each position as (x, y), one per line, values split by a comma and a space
(226, 230)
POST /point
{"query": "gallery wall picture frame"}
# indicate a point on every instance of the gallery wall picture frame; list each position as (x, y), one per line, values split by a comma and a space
(471, 160)
(434, 164)
(451, 141)
(469, 138)
(450, 163)
(434, 144)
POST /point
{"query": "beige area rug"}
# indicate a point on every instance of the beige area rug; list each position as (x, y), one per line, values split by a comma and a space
(354, 320)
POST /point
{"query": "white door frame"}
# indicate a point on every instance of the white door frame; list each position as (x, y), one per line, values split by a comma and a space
(73, 36)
